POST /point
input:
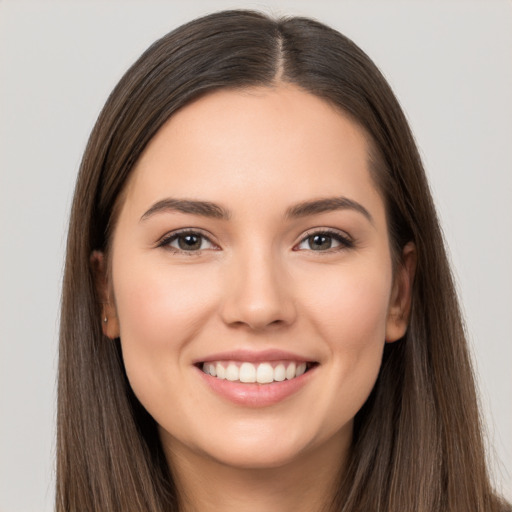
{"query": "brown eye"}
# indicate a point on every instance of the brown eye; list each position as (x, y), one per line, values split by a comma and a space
(187, 241)
(323, 241)
(319, 242)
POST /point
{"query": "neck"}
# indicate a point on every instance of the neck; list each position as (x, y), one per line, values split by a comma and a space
(306, 484)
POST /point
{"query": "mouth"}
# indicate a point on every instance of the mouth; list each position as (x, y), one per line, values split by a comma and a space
(264, 372)
(257, 379)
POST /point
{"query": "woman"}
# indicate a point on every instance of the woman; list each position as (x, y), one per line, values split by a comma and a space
(257, 306)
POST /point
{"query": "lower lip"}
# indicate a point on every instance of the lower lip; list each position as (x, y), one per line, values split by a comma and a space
(256, 395)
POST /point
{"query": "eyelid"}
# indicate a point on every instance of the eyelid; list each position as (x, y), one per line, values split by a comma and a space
(169, 237)
(344, 239)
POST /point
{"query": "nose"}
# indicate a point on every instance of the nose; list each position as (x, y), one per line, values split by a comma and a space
(258, 294)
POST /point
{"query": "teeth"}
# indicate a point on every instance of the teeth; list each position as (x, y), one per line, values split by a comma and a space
(300, 369)
(279, 373)
(262, 373)
(265, 373)
(220, 371)
(247, 372)
(290, 371)
(210, 369)
(232, 372)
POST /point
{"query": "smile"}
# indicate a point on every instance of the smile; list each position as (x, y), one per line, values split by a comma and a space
(251, 378)
(264, 372)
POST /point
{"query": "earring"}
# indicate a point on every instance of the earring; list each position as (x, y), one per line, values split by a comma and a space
(105, 319)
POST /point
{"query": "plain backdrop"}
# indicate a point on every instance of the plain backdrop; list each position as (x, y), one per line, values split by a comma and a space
(450, 64)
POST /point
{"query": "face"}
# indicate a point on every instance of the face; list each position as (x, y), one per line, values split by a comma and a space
(251, 284)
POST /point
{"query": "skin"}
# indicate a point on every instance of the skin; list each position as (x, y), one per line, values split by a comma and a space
(257, 283)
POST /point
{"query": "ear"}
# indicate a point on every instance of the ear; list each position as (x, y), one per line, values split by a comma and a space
(109, 321)
(401, 295)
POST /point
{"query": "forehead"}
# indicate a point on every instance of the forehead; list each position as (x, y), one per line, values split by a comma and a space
(249, 144)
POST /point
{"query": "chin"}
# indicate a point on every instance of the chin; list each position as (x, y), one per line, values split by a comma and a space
(261, 448)
(249, 448)
(255, 457)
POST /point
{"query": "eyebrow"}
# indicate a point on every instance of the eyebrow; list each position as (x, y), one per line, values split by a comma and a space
(215, 211)
(329, 204)
(202, 208)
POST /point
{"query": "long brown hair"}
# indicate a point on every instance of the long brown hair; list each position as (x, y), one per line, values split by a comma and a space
(417, 442)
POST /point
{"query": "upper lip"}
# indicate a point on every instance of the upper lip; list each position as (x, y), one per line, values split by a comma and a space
(253, 356)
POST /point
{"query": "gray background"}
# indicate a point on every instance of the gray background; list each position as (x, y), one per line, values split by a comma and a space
(450, 64)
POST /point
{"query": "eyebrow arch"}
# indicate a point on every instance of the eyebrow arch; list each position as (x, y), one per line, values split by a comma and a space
(212, 210)
(328, 204)
(203, 208)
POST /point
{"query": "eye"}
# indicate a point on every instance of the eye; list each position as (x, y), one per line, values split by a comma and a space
(322, 241)
(187, 241)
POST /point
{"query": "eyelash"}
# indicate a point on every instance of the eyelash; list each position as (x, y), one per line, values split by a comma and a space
(175, 235)
(344, 241)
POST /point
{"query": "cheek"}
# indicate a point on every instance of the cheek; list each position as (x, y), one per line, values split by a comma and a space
(350, 305)
(155, 302)
(160, 311)
(362, 313)
(350, 314)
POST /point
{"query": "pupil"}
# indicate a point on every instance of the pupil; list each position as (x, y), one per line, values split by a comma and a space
(189, 242)
(320, 242)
